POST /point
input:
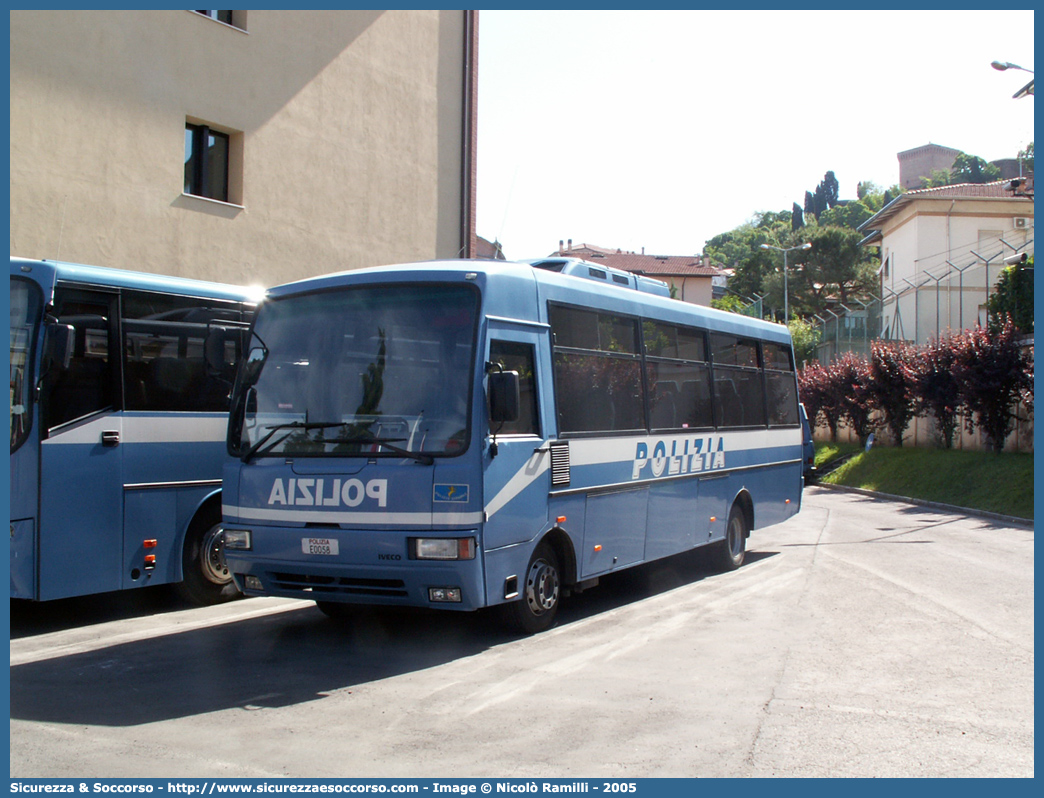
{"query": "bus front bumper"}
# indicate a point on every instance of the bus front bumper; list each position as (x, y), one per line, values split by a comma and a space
(453, 585)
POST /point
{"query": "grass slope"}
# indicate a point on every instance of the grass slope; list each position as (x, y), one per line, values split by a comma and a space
(975, 480)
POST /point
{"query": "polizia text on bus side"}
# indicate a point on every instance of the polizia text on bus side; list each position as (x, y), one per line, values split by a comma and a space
(470, 434)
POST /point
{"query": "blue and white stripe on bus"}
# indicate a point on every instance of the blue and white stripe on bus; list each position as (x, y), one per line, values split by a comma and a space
(298, 516)
(144, 428)
(651, 458)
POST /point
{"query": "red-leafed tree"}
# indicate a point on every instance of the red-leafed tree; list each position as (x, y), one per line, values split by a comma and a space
(937, 388)
(820, 396)
(850, 382)
(811, 390)
(995, 372)
(893, 383)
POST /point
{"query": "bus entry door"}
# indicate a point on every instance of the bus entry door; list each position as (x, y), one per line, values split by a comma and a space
(516, 463)
(80, 536)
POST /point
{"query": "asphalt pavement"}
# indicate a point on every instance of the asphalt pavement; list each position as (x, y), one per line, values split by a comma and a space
(864, 637)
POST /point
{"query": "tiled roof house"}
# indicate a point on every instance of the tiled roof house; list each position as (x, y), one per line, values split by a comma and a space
(942, 249)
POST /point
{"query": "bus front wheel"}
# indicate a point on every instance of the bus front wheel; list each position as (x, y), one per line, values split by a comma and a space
(733, 550)
(205, 577)
(541, 594)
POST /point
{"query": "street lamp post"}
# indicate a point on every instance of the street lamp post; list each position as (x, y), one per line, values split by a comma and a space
(786, 298)
(1001, 66)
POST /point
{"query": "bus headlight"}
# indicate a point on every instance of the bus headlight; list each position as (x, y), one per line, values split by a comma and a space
(442, 548)
(238, 540)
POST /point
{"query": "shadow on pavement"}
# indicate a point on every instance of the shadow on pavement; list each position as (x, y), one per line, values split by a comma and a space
(282, 659)
(30, 618)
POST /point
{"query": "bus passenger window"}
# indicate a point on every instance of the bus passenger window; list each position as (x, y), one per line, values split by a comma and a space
(519, 357)
(85, 387)
(739, 395)
(780, 385)
(164, 367)
(598, 371)
(678, 377)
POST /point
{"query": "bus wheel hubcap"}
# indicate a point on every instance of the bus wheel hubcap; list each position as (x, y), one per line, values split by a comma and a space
(542, 587)
(212, 556)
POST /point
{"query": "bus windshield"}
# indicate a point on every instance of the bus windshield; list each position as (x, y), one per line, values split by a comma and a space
(373, 370)
(25, 316)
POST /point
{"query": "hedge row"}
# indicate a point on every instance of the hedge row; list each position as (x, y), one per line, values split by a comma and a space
(979, 373)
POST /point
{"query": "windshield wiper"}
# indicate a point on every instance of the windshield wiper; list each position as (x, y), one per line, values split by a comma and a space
(290, 425)
(387, 443)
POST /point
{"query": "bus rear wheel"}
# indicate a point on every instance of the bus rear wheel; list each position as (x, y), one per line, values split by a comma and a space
(731, 552)
(205, 576)
(541, 594)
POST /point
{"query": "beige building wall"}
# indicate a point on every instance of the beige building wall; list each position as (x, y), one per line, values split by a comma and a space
(348, 133)
(695, 290)
(930, 243)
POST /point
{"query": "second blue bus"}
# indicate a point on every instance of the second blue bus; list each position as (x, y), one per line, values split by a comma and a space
(117, 429)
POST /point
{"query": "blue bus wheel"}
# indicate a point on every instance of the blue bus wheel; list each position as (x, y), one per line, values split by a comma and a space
(205, 577)
(541, 594)
(732, 551)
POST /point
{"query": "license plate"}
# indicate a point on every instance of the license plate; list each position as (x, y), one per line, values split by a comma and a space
(321, 546)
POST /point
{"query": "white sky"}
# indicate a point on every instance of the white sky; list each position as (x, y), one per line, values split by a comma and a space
(662, 129)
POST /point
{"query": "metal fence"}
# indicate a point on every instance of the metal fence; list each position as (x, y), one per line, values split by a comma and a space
(948, 297)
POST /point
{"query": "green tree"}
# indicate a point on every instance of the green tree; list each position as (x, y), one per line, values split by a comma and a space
(938, 177)
(965, 169)
(874, 197)
(772, 291)
(847, 214)
(797, 217)
(805, 336)
(890, 194)
(1026, 158)
(867, 189)
(731, 303)
(835, 266)
(825, 195)
(740, 250)
(1013, 298)
(972, 169)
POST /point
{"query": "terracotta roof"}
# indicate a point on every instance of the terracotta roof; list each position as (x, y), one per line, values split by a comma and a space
(999, 190)
(653, 265)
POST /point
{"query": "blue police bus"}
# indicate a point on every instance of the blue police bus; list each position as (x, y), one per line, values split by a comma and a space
(118, 428)
(469, 434)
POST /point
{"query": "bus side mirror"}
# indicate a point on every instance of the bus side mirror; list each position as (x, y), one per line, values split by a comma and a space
(215, 348)
(504, 401)
(250, 368)
(58, 345)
